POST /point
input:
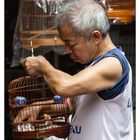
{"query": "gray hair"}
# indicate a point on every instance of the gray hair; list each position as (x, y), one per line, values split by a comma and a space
(84, 16)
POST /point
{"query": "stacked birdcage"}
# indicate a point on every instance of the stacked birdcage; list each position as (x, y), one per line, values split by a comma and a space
(34, 111)
(119, 11)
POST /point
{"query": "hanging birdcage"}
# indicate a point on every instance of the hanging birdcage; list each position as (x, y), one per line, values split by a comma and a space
(37, 23)
(30, 96)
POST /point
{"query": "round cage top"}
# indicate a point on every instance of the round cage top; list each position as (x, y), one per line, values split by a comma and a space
(31, 88)
(27, 83)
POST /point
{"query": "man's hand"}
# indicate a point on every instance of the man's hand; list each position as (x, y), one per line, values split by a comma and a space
(33, 65)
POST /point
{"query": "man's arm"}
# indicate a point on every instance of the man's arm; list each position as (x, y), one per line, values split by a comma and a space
(103, 75)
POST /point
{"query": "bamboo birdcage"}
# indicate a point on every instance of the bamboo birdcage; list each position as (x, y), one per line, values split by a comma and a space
(38, 26)
(36, 93)
(119, 11)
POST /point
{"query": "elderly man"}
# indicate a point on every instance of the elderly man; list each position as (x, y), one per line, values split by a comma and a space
(103, 88)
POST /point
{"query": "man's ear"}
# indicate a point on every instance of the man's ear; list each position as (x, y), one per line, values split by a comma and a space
(97, 36)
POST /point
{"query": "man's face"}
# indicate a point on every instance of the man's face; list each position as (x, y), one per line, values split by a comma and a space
(79, 48)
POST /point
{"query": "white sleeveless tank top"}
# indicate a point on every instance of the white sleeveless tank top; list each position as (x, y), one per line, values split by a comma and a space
(106, 115)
